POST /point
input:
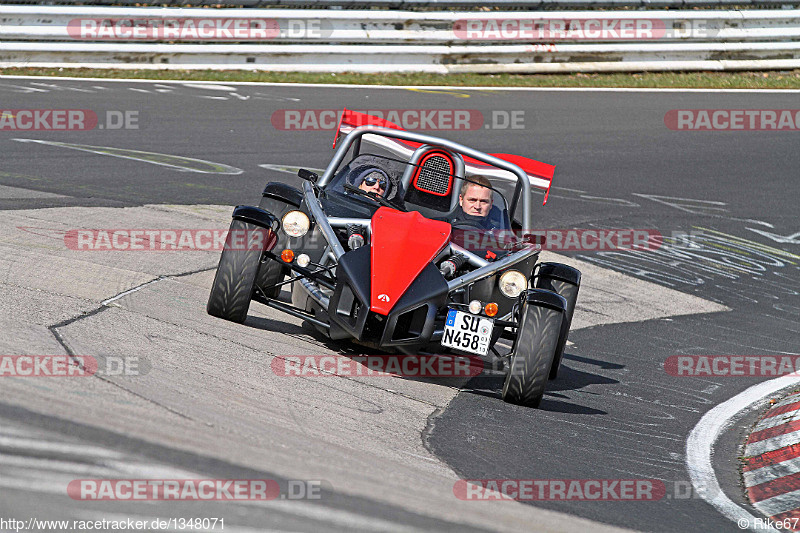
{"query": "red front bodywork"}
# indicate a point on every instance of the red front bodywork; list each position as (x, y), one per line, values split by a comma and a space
(402, 245)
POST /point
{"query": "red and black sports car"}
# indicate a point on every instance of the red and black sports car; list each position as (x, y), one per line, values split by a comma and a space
(386, 249)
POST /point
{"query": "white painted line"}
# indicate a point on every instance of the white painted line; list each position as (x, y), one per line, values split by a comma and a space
(779, 504)
(700, 445)
(27, 89)
(56, 87)
(770, 472)
(210, 86)
(34, 477)
(35, 481)
(130, 291)
(30, 463)
(12, 431)
(774, 443)
(139, 155)
(151, 470)
(26, 485)
(60, 448)
(425, 87)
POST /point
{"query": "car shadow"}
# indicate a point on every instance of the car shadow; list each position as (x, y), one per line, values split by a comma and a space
(555, 400)
(279, 326)
(309, 333)
(605, 365)
(489, 383)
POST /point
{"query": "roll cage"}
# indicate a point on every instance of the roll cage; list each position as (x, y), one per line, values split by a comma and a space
(523, 181)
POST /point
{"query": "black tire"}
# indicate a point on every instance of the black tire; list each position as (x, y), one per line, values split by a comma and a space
(566, 282)
(534, 348)
(235, 278)
(270, 273)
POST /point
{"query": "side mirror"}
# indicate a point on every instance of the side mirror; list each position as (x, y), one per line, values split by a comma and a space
(307, 175)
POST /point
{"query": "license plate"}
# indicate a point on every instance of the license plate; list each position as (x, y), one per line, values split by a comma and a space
(467, 332)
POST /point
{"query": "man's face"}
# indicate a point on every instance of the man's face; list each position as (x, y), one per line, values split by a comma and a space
(374, 183)
(476, 201)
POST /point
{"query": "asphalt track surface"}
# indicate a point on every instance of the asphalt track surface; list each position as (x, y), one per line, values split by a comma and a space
(614, 413)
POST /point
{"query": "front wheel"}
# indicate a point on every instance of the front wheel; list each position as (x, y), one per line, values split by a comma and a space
(534, 347)
(270, 273)
(565, 281)
(236, 274)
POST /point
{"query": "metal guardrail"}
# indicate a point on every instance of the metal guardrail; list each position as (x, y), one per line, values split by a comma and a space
(411, 5)
(392, 41)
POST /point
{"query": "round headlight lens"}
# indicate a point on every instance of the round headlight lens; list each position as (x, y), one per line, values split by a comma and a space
(295, 223)
(512, 283)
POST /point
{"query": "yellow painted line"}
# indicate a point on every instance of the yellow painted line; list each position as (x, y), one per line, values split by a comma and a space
(755, 245)
(457, 94)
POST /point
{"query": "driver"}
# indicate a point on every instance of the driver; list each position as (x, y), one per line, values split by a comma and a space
(475, 201)
(374, 181)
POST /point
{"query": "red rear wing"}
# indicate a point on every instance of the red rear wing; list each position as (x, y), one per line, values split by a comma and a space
(353, 119)
(539, 174)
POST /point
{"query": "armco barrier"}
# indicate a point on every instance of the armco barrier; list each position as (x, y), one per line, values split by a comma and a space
(392, 41)
(427, 5)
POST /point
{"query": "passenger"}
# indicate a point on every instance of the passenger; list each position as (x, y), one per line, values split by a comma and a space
(475, 201)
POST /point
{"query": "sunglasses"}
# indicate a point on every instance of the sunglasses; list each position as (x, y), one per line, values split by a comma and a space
(370, 181)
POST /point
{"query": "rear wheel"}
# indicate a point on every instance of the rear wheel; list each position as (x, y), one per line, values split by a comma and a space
(236, 274)
(534, 347)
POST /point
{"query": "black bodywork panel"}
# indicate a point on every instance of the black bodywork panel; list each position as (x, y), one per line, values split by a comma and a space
(410, 323)
(283, 192)
(256, 215)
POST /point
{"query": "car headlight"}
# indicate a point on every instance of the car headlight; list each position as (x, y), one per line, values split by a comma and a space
(512, 283)
(295, 223)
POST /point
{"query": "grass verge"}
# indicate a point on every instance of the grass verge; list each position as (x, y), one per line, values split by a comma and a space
(706, 80)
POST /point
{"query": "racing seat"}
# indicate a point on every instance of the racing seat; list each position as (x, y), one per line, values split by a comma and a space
(432, 182)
